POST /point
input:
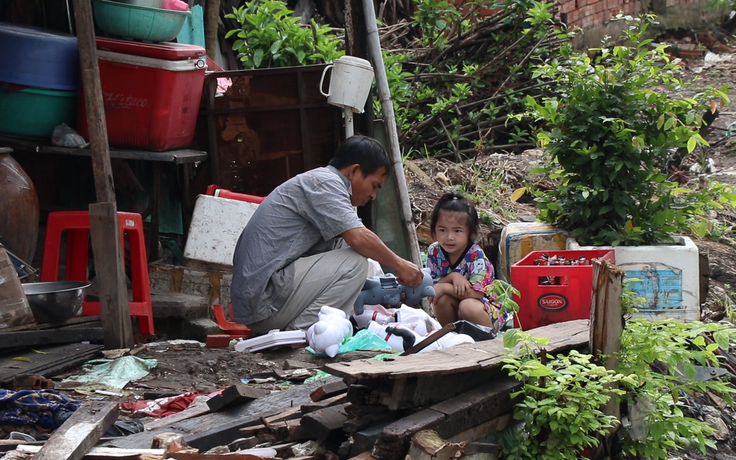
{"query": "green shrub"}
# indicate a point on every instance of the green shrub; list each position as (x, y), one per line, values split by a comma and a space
(609, 130)
(271, 36)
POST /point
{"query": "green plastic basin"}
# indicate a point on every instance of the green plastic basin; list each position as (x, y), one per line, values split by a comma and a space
(33, 113)
(135, 22)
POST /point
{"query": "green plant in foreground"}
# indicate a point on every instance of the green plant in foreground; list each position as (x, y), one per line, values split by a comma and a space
(561, 396)
(609, 132)
(663, 355)
(271, 36)
(560, 400)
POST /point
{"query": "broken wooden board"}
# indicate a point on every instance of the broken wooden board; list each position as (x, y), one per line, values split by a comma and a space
(327, 422)
(329, 390)
(80, 432)
(428, 445)
(48, 361)
(49, 337)
(406, 382)
(458, 359)
(234, 395)
(448, 418)
(105, 452)
(220, 428)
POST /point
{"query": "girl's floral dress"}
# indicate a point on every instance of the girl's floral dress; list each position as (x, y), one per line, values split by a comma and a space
(477, 269)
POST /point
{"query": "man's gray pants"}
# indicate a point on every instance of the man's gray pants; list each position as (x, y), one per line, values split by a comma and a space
(332, 278)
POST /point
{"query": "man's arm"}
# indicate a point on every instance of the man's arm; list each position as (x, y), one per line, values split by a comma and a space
(368, 244)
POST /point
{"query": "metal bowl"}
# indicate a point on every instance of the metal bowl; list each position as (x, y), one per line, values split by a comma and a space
(55, 301)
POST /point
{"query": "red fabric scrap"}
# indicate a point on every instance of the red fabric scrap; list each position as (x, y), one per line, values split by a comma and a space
(161, 407)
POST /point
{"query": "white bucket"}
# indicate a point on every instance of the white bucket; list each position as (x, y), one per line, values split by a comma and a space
(350, 82)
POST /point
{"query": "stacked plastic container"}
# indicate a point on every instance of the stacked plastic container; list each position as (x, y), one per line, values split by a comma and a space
(151, 91)
(38, 81)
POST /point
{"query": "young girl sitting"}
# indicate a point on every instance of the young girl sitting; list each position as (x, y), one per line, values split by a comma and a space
(459, 266)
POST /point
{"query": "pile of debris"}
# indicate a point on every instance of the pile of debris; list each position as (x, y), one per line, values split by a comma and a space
(368, 407)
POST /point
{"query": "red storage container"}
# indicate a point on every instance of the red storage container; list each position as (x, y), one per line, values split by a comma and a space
(555, 293)
(151, 93)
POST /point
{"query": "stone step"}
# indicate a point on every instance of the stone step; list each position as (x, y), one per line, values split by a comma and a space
(170, 304)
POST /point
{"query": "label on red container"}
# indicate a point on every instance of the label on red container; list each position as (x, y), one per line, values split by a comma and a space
(552, 302)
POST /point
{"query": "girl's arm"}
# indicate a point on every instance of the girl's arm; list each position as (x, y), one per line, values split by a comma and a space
(457, 286)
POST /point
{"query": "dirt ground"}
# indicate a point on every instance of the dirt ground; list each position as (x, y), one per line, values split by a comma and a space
(190, 367)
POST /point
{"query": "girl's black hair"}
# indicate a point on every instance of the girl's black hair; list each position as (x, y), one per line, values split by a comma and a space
(455, 202)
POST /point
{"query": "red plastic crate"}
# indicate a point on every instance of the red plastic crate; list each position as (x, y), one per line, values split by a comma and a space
(566, 298)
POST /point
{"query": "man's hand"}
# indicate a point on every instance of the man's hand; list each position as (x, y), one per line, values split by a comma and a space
(409, 274)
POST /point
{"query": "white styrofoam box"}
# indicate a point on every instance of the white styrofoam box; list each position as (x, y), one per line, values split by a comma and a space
(668, 274)
(216, 226)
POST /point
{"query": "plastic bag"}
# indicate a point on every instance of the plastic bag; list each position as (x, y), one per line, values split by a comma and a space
(64, 136)
(363, 340)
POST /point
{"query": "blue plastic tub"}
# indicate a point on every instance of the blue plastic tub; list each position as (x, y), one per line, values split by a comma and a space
(37, 57)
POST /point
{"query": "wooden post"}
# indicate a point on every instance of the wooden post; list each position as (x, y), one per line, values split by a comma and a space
(606, 327)
(106, 243)
(211, 18)
(387, 109)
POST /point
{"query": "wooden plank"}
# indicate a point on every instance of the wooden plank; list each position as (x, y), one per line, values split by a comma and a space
(102, 452)
(313, 406)
(461, 358)
(50, 337)
(484, 429)
(91, 320)
(219, 428)
(233, 395)
(181, 156)
(80, 432)
(90, 72)
(328, 390)
(428, 445)
(50, 361)
(607, 325)
(447, 418)
(326, 422)
(115, 311)
(117, 328)
(429, 340)
(230, 456)
(368, 416)
(365, 440)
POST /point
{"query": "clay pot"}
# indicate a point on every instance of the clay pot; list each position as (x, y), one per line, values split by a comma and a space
(19, 210)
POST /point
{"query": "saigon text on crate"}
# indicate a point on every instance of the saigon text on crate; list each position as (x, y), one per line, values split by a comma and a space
(151, 93)
(555, 293)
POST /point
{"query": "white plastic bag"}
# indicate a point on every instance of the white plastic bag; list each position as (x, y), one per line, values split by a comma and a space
(64, 136)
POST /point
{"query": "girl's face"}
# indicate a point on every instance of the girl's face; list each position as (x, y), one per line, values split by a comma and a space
(452, 233)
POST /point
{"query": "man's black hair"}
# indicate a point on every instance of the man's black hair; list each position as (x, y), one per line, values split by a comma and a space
(364, 151)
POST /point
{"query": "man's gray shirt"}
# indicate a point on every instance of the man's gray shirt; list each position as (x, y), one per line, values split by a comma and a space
(303, 216)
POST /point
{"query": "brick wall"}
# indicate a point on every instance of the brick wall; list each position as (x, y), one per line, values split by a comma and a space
(594, 16)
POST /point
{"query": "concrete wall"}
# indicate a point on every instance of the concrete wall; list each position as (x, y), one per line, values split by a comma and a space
(594, 16)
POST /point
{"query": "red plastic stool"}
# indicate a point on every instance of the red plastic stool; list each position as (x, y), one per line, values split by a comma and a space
(231, 328)
(76, 225)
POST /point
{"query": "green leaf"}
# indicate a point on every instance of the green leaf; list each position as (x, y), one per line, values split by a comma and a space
(691, 144)
(258, 57)
(22, 358)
